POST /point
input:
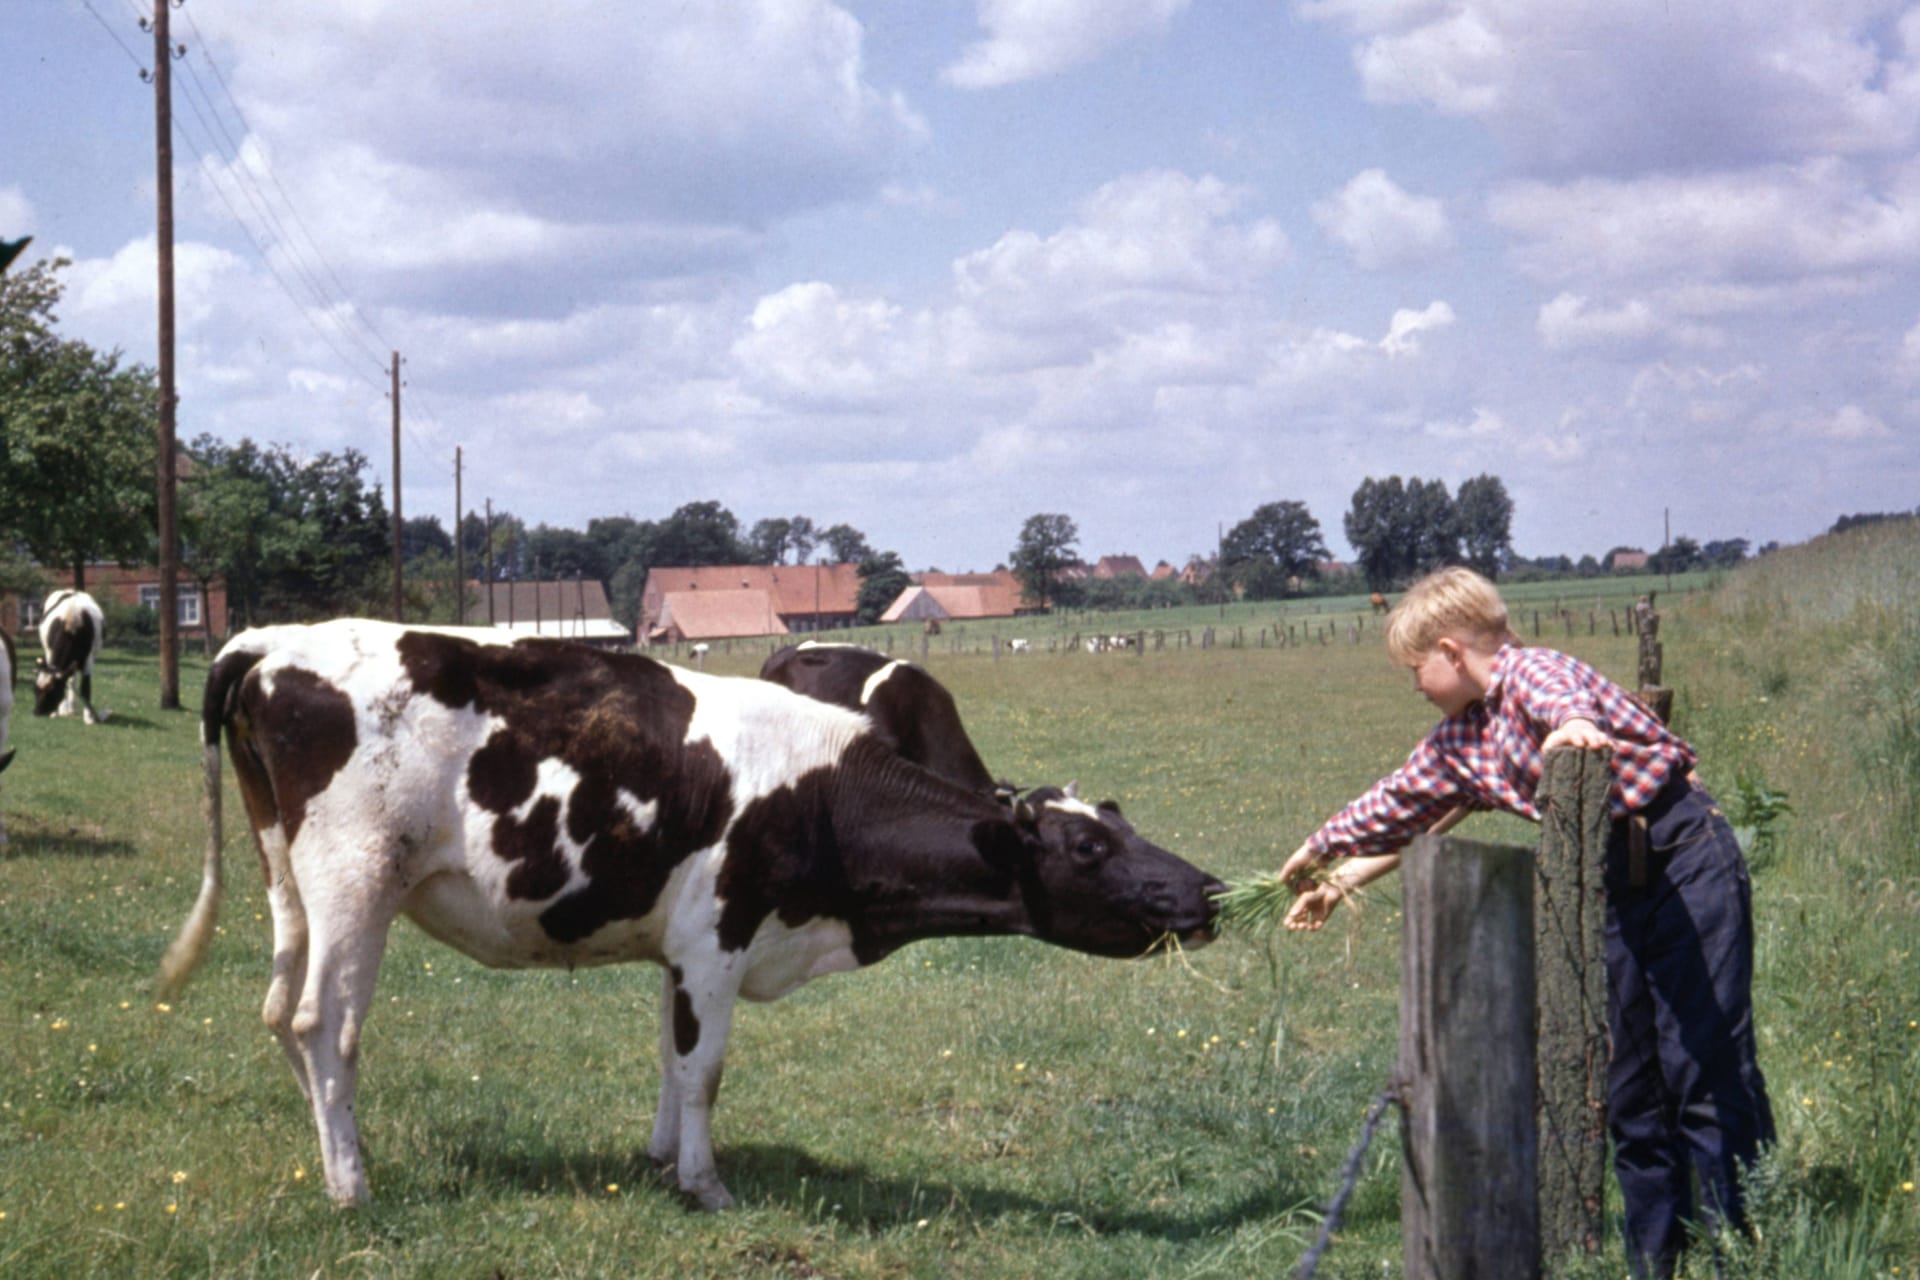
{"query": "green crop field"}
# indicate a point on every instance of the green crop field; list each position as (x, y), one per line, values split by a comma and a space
(991, 1108)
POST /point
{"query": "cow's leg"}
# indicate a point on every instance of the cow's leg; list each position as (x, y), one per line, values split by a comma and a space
(696, 1016)
(86, 696)
(347, 928)
(289, 972)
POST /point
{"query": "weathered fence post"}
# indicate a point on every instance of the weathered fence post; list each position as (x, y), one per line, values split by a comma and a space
(1570, 945)
(1469, 1189)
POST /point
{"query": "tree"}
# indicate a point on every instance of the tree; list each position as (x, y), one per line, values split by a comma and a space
(1435, 525)
(1486, 519)
(1046, 547)
(1379, 528)
(1724, 553)
(846, 544)
(557, 553)
(294, 538)
(421, 536)
(882, 578)
(76, 437)
(699, 533)
(1278, 542)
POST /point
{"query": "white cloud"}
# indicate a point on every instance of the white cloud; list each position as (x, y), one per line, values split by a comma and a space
(1848, 424)
(1483, 423)
(1162, 234)
(1028, 39)
(1636, 327)
(1383, 225)
(1762, 225)
(1404, 330)
(1643, 83)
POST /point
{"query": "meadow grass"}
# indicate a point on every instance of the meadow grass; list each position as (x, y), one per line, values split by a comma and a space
(969, 1107)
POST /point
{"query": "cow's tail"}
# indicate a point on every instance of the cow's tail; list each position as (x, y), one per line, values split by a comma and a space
(190, 947)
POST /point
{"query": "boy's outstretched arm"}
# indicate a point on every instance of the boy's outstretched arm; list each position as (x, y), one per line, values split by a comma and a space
(1316, 901)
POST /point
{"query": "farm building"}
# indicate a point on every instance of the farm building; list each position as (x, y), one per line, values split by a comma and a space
(576, 610)
(1119, 567)
(716, 615)
(802, 597)
(975, 595)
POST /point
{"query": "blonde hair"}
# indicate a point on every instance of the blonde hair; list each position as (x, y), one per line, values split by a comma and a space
(1452, 603)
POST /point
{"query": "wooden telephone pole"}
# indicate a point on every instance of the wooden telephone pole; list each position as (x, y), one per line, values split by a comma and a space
(163, 204)
(459, 552)
(399, 607)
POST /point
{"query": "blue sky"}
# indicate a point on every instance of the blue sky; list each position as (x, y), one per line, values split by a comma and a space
(929, 267)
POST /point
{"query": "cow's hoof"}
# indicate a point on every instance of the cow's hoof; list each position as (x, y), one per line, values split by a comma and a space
(711, 1198)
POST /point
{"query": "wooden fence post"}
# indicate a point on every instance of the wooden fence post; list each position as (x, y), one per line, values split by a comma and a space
(1570, 947)
(1469, 1189)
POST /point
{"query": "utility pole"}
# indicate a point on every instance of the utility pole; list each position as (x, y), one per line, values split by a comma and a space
(399, 612)
(459, 553)
(163, 210)
(489, 561)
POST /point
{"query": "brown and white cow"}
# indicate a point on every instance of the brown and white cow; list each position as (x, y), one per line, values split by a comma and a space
(72, 629)
(536, 803)
(7, 669)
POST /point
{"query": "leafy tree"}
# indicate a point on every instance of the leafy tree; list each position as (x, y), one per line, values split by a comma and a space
(1435, 525)
(699, 533)
(1046, 547)
(1677, 556)
(421, 536)
(1724, 553)
(1486, 520)
(77, 447)
(846, 544)
(294, 538)
(567, 554)
(773, 538)
(1379, 527)
(882, 578)
(1278, 542)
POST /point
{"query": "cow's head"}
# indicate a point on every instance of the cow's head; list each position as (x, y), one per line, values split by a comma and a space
(1096, 885)
(6, 758)
(49, 687)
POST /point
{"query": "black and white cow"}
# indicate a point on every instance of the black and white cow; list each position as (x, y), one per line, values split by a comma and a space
(536, 803)
(911, 710)
(7, 669)
(71, 631)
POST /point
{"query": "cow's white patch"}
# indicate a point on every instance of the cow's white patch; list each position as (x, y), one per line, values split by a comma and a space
(782, 958)
(878, 678)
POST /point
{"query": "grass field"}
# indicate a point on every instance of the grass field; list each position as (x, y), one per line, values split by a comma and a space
(967, 1108)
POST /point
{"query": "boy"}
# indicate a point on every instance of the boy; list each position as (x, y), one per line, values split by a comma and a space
(1684, 1090)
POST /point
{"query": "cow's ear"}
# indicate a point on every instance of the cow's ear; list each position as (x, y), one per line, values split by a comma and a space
(1109, 806)
(1071, 791)
(1024, 812)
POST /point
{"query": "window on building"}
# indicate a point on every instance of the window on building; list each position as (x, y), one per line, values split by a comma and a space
(186, 603)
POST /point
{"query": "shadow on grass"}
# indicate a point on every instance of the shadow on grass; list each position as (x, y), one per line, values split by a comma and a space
(788, 1178)
(31, 836)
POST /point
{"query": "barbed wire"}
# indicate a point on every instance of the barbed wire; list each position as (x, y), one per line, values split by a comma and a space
(1349, 1177)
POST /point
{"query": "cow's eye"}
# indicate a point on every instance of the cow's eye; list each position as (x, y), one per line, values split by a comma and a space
(1090, 847)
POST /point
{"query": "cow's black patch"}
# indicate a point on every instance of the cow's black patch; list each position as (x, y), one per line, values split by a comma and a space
(686, 1025)
(620, 723)
(303, 733)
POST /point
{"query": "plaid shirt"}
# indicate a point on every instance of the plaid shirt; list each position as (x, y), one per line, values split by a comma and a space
(1489, 757)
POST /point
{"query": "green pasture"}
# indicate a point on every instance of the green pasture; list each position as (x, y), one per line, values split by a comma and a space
(991, 1108)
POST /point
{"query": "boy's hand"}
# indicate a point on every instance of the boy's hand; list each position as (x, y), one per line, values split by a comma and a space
(1298, 869)
(1311, 909)
(1577, 732)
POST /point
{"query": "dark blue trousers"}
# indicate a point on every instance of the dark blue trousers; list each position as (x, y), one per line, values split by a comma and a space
(1685, 1097)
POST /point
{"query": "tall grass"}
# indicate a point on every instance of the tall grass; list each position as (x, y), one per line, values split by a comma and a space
(968, 1108)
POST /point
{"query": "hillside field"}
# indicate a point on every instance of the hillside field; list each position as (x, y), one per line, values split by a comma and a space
(988, 1108)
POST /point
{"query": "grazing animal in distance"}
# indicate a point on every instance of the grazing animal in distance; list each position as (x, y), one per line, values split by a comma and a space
(72, 629)
(1378, 601)
(537, 803)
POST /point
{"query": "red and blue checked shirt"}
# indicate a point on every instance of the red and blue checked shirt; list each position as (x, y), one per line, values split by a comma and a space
(1489, 757)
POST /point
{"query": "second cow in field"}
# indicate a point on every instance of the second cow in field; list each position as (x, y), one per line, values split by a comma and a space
(7, 669)
(911, 710)
(72, 629)
(536, 803)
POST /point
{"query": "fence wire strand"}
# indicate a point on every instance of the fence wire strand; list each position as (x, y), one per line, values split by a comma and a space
(1349, 1177)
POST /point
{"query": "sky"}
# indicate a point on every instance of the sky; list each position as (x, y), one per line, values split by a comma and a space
(931, 267)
